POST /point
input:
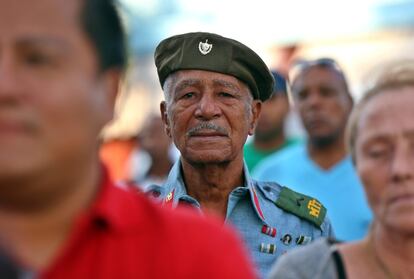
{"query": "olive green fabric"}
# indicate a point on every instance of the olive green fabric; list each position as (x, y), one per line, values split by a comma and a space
(212, 52)
(301, 205)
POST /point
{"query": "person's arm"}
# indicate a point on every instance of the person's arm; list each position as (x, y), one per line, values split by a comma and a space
(312, 261)
(287, 267)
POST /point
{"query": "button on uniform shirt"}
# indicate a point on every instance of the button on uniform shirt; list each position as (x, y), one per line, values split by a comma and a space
(125, 235)
(267, 230)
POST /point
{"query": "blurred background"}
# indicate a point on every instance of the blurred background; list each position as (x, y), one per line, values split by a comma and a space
(360, 34)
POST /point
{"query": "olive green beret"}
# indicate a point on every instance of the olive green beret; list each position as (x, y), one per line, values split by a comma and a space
(212, 52)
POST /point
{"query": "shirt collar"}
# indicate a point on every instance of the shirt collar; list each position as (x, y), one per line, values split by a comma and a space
(112, 206)
(174, 186)
(175, 189)
(255, 199)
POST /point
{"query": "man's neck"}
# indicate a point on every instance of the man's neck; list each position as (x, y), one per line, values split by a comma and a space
(34, 237)
(211, 184)
(269, 144)
(329, 155)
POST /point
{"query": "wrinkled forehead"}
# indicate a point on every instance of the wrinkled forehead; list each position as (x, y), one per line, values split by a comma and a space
(318, 75)
(185, 78)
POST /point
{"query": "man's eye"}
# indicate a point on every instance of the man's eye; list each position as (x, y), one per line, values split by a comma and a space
(188, 95)
(327, 92)
(225, 94)
(37, 59)
(302, 95)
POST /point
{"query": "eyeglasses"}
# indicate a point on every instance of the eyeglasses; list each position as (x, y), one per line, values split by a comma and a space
(299, 66)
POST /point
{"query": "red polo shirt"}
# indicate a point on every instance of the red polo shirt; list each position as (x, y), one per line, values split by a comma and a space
(125, 235)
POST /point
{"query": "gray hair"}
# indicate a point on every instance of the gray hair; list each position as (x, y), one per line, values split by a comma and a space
(168, 87)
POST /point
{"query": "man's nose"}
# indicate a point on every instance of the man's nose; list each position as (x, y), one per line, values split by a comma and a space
(314, 99)
(207, 108)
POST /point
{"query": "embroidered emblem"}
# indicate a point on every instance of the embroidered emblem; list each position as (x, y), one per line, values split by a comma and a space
(314, 208)
(269, 230)
(299, 201)
(302, 206)
(268, 248)
(205, 48)
(286, 239)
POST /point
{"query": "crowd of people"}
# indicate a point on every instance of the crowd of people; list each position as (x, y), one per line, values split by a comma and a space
(202, 200)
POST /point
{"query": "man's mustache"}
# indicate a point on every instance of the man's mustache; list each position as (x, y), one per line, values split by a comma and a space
(206, 126)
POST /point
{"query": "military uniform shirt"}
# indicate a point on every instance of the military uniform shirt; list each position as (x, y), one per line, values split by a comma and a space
(267, 230)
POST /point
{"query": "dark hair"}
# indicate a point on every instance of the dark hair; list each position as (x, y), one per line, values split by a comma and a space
(280, 82)
(102, 24)
(302, 65)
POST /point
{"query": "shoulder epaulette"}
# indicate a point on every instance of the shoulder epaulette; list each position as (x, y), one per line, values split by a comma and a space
(302, 206)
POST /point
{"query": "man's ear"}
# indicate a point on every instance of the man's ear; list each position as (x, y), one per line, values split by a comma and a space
(164, 116)
(255, 110)
(110, 87)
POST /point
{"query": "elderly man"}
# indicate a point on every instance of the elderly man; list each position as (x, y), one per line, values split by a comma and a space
(321, 166)
(213, 89)
(61, 216)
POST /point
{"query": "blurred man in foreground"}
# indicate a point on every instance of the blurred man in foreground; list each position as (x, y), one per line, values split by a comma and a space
(60, 214)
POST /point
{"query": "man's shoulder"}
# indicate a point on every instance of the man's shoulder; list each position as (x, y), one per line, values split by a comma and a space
(181, 240)
(287, 153)
(304, 207)
(180, 222)
(196, 239)
(296, 263)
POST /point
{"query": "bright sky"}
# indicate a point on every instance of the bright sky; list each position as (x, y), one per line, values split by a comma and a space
(264, 22)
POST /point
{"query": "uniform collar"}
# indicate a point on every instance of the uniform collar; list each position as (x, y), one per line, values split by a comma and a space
(175, 190)
(174, 186)
(254, 195)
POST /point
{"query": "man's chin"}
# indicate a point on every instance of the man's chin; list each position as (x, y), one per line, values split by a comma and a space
(322, 141)
(207, 159)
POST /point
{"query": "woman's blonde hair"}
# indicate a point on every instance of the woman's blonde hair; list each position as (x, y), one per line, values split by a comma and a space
(398, 75)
